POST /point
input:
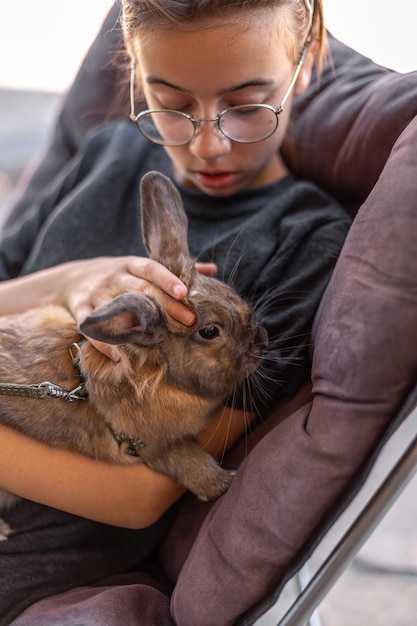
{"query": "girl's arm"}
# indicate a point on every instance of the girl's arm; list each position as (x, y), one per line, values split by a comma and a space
(132, 497)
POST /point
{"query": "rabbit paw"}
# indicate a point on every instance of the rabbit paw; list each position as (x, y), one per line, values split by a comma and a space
(214, 485)
(5, 530)
(194, 468)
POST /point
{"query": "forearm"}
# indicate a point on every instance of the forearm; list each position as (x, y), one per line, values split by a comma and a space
(128, 496)
(40, 288)
(132, 497)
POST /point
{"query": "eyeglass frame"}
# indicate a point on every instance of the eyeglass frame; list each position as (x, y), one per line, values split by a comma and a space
(135, 117)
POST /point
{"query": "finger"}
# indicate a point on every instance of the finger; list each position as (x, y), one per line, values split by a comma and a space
(81, 312)
(105, 348)
(174, 308)
(178, 311)
(158, 275)
(208, 269)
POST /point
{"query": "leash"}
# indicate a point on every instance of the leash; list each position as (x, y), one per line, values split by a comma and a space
(39, 391)
(46, 389)
(43, 390)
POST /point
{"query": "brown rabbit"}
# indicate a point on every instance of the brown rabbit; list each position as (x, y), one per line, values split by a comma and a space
(150, 406)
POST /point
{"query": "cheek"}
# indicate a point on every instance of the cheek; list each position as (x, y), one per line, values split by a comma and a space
(264, 150)
(274, 143)
(178, 155)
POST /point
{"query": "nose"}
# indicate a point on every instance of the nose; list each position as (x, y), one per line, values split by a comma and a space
(209, 143)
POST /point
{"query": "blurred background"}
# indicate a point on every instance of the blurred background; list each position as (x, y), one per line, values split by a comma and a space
(42, 44)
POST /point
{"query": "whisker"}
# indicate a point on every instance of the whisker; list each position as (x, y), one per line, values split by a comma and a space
(234, 271)
(236, 264)
(265, 299)
(275, 340)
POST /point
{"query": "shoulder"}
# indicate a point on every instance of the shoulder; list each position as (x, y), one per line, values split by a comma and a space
(114, 137)
(118, 149)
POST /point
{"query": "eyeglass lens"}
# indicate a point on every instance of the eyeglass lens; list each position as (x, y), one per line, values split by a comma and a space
(244, 124)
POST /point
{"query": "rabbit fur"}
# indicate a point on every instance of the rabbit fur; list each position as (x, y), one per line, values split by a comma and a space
(170, 379)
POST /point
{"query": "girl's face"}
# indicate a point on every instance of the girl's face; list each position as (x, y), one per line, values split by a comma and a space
(207, 70)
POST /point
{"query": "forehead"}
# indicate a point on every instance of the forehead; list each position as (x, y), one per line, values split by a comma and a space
(223, 53)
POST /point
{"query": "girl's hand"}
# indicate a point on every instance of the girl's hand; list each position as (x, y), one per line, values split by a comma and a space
(83, 286)
(86, 286)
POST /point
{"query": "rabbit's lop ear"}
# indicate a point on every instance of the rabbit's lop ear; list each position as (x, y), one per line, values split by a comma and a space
(165, 224)
(129, 318)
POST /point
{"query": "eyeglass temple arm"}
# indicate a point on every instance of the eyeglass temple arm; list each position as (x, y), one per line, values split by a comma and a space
(132, 116)
(310, 9)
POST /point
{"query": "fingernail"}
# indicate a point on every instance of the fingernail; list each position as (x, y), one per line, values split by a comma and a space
(178, 291)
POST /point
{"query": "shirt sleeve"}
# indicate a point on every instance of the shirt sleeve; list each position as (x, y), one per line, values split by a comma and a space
(20, 232)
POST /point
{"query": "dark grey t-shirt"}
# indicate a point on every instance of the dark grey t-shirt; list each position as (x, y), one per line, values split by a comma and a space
(276, 244)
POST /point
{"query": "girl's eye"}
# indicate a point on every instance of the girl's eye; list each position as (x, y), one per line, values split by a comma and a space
(246, 111)
(211, 332)
(182, 108)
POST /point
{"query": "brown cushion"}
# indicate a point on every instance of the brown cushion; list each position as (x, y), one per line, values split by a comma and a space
(347, 124)
(349, 107)
(364, 363)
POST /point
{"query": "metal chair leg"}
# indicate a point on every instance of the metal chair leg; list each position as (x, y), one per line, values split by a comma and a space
(303, 578)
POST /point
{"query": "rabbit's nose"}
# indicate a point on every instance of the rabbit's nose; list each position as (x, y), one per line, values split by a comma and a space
(261, 337)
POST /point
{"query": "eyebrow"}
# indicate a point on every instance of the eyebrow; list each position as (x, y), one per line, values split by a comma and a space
(257, 82)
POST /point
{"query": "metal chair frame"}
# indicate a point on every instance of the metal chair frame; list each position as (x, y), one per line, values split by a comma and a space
(313, 590)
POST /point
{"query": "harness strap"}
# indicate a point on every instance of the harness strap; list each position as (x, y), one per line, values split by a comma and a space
(134, 445)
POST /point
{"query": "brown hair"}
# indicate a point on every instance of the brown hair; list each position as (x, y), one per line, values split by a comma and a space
(139, 16)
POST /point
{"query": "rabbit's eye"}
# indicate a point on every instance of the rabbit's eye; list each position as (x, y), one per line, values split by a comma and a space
(211, 332)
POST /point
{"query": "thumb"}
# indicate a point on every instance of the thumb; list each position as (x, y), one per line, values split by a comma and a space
(107, 349)
(81, 311)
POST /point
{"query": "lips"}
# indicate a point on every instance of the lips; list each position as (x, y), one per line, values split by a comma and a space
(216, 180)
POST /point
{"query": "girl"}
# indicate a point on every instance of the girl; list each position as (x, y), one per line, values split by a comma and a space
(218, 80)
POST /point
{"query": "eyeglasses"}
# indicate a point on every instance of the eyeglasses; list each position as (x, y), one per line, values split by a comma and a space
(247, 123)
